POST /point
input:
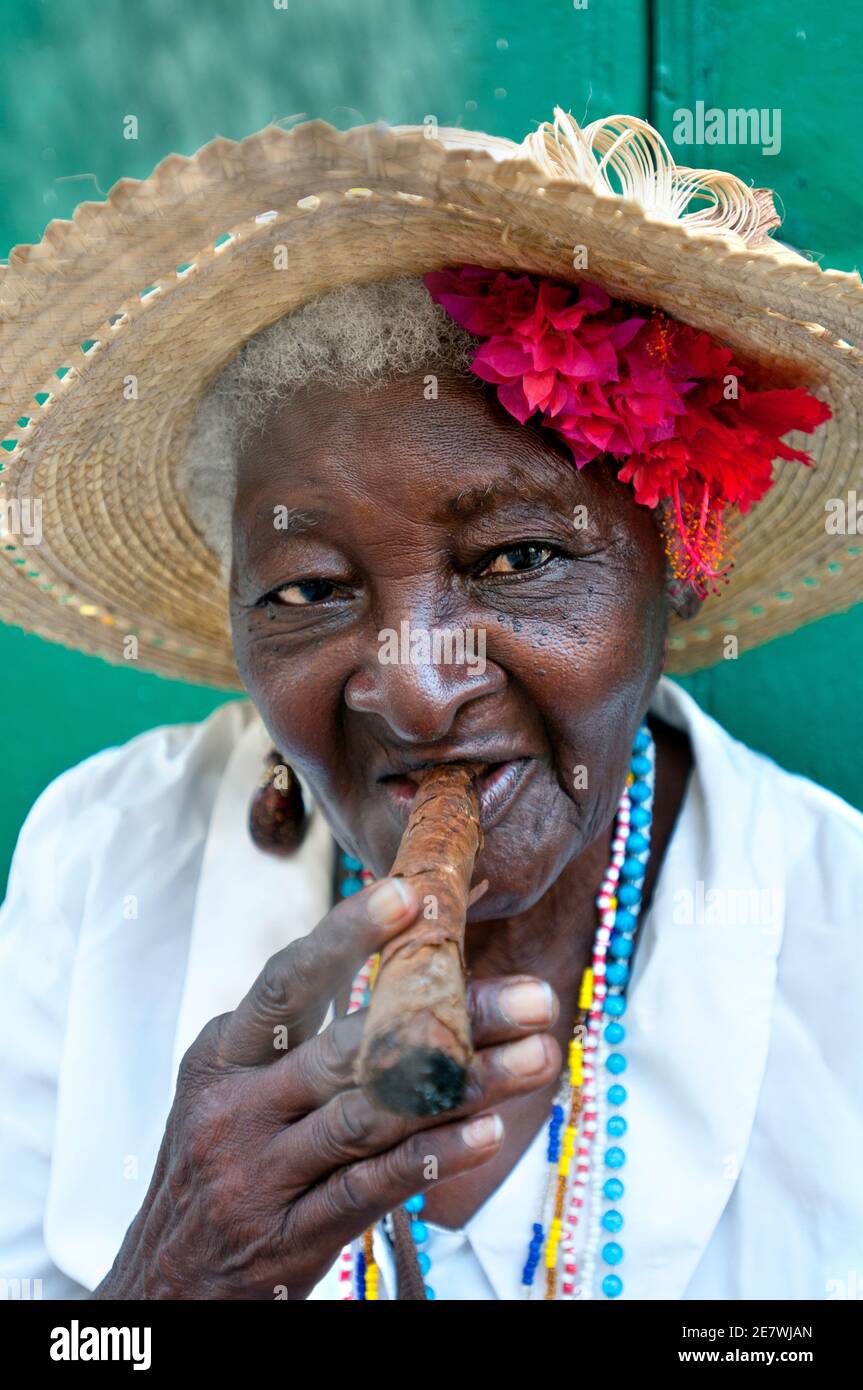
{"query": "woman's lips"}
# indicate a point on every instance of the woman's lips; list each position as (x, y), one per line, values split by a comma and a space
(499, 784)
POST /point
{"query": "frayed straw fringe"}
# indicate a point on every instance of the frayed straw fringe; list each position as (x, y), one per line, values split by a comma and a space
(626, 157)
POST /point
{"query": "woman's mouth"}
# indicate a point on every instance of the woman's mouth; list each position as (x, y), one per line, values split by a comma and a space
(499, 784)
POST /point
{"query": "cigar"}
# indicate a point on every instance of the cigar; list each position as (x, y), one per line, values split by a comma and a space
(416, 1046)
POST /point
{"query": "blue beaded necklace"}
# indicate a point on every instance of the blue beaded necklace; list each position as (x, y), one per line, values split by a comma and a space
(575, 1182)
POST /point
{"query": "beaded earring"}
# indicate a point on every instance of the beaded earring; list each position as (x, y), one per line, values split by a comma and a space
(277, 816)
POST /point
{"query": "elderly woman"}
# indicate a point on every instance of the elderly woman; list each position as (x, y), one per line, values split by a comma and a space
(387, 407)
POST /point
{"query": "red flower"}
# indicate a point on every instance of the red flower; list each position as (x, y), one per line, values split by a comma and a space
(662, 397)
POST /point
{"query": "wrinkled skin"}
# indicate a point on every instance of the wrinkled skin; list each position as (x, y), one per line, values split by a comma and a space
(447, 514)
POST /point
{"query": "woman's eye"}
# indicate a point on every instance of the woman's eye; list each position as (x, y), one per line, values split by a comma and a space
(305, 591)
(518, 558)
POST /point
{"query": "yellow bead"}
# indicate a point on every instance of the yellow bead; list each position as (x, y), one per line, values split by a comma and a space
(585, 997)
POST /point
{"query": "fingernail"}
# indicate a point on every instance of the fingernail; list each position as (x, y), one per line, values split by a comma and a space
(524, 1058)
(529, 1001)
(483, 1132)
(386, 905)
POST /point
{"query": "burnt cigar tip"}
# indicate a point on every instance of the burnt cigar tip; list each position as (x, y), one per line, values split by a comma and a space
(424, 1082)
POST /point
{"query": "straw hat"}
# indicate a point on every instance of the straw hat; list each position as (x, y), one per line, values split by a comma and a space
(117, 321)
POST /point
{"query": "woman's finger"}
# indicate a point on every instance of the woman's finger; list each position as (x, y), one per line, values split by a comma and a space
(350, 1127)
(340, 1209)
(510, 1007)
(289, 999)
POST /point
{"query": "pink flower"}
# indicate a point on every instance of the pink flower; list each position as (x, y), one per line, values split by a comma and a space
(648, 391)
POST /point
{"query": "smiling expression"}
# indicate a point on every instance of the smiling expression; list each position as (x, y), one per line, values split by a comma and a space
(445, 514)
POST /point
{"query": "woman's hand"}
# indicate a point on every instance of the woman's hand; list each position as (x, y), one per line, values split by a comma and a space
(273, 1159)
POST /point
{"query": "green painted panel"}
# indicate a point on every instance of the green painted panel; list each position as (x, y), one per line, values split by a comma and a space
(520, 60)
(800, 61)
(71, 74)
(798, 698)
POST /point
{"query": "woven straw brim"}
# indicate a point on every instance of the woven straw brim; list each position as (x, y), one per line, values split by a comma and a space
(123, 317)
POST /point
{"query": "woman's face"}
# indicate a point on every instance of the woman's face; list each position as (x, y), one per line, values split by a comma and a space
(419, 581)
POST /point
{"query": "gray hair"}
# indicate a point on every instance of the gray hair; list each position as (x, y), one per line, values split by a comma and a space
(356, 335)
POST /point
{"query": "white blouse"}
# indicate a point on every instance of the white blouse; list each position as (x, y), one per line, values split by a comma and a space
(138, 908)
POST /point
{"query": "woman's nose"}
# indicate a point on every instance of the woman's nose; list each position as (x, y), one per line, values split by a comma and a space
(417, 679)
